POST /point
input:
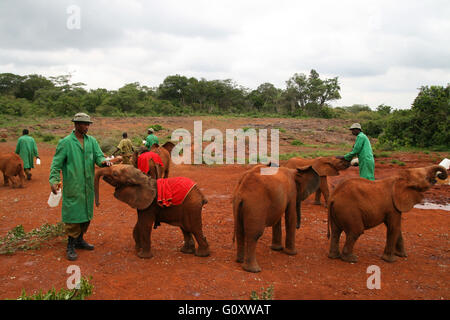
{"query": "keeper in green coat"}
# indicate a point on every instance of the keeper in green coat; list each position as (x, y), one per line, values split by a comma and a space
(151, 139)
(27, 149)
(76, 156)
(363, 150)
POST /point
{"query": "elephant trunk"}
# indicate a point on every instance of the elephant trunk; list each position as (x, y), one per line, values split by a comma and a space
(98, 174)
(439, 171)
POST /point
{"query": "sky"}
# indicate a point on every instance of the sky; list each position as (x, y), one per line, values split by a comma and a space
(381, 51)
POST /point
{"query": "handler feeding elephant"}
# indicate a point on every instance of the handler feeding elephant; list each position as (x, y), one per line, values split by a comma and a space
(358, 204)
(176, 201)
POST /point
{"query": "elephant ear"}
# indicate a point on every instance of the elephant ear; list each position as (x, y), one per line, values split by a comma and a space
(137, 196)
(325, 168)
(404, 196)
(168, 146)
(307, 180)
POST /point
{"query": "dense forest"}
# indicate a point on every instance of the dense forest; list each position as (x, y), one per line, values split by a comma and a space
(425, 124)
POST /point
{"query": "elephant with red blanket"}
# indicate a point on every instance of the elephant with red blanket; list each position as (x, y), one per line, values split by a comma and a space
(176, 201)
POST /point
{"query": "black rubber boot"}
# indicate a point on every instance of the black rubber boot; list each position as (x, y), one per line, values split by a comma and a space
(71, 254)
(82, 244)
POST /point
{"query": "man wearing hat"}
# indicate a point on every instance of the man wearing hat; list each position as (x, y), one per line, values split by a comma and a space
(151, 139)
(76, 156)
(363, 150)
(26, 148)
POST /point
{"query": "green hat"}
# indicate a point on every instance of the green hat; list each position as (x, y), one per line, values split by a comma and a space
(81, 117)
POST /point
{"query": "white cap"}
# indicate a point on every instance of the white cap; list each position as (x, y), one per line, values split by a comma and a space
(355, 126)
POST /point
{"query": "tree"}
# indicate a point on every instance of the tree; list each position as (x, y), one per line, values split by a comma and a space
(310, 95)
(31, 84)
(9, 83)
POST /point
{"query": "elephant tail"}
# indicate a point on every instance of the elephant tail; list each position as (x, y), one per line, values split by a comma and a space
(237, 214)
(330, 208)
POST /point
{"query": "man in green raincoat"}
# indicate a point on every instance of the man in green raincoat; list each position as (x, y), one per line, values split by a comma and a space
(363, 150)
(76, 156)
(151, 139)
(26, 148)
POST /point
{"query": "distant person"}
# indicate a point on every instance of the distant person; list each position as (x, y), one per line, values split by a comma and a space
(363, 150)
(26, 148)
(151, 138)
(126, 149)
(76, 156)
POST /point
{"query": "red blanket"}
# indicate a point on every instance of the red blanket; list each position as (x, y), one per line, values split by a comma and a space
(173, 191)
(144, 158)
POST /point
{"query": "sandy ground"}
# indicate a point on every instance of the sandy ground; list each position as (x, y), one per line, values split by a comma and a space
(117, 273)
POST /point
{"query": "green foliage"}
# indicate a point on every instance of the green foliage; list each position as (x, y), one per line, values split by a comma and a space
(85, 290)
(265, 294)
(18, 239)
(176, 96)
(156, 127)
(398, 162)
(296, 143)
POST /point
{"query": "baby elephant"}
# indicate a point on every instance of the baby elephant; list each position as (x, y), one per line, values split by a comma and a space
(11, 166)
(359, 204)
(158, 201)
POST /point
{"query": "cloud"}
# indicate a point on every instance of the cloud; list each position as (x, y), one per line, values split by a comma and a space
(380, 50)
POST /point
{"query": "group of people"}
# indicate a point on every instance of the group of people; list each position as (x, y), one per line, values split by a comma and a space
(77, 154)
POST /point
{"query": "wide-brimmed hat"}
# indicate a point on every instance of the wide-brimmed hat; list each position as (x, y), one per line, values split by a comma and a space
(81, 117)
(150, 130)
(355, 126)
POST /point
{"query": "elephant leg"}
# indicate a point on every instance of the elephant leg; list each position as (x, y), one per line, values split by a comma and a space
(392, 236)
(145, 223)
(290, 219)
(5, 179)
(347, 250)
(250, 264)
(203, 247)
(317, 198)
(276, 237)
(334, 242)
(400, 247)
(136, 237)
(189, 245)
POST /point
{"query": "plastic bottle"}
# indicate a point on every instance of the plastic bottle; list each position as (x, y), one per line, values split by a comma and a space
(38, 161)
(54, 199)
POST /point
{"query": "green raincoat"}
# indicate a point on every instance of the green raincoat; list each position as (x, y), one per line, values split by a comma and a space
(150, 140)
(27, 149)
(78, 171)
(363, 150)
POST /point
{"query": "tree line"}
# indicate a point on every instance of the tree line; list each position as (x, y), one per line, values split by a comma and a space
(176, 95)
(424, 124)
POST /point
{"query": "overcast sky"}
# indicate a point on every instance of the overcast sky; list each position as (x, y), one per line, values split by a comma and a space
(381, 51)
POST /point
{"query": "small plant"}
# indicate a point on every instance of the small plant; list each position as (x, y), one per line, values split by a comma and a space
(18, 239)
(156, 127)
(266, 294)
(85, 290)
(398, 162)
(296, 143)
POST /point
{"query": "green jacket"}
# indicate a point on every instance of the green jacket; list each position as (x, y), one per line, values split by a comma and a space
(150, 140)
(363, 150)
(78, 171)
(26, 148)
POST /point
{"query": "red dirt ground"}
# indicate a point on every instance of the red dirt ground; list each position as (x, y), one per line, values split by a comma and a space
(117, 273)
